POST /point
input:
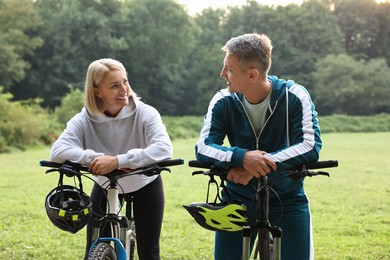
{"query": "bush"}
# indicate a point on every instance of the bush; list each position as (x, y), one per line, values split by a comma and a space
(189, 126)
(22, 123)
(71, 104)
(26, 123)
(353, 124)
(183, 127)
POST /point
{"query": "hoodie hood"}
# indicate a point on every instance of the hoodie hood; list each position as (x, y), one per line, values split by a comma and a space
(125, 112)
(278, 90)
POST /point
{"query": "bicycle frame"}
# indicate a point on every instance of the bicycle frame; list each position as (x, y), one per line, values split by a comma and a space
(262, 224)
(114, 216)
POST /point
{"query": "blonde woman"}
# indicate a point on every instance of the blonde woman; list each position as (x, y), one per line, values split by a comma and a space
(115, 130)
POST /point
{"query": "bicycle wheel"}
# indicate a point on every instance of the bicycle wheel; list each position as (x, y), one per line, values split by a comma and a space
(264, 247)
(102, 251)
(133, 251)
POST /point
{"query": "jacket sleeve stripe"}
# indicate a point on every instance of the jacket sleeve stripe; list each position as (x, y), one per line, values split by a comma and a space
(308, 127)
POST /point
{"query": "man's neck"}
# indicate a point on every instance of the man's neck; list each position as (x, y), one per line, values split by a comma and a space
(258, 92)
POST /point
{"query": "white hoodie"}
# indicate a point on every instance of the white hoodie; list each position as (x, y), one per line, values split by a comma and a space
(136, 136)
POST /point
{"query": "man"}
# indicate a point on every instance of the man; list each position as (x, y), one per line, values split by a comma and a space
(271, 125)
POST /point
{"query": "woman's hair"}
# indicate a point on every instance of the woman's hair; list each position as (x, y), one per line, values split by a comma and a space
(96, 72)
(252, 50)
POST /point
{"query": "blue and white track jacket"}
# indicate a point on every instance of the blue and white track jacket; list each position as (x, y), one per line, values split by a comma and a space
(290, 136)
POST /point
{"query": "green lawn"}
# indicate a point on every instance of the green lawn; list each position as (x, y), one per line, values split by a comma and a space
(350, 209)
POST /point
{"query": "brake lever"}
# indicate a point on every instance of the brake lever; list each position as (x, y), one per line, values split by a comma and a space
(199, 172)
(154, 170)
(52, 170)
(165, 169)
(310, 174)
(323, 173)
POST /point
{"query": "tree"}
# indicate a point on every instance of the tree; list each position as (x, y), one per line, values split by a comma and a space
(202, 79)
(300, 34)
(75, 33)
(343, 85)
(160, 38)
(358, 21)
(380, 47)
(18, 19)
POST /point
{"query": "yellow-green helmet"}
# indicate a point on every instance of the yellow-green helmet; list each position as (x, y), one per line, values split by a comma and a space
(219, 217)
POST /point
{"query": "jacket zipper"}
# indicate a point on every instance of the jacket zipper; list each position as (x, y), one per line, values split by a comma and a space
(265, 123)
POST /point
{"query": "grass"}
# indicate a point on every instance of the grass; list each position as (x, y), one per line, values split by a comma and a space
(350, 209)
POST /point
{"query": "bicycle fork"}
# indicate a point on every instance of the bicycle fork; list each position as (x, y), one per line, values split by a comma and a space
(117, 222)
(276, 235)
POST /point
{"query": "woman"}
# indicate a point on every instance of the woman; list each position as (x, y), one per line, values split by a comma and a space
(115, 130)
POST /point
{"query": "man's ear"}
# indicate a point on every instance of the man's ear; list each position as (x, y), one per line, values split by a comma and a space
(253, 74)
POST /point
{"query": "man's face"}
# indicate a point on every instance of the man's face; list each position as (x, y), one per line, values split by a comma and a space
(234, 75)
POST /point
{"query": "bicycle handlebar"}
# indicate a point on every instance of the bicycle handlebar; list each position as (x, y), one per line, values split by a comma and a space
(316, 165)
(300, 171)
(71, 168)
(308, 166)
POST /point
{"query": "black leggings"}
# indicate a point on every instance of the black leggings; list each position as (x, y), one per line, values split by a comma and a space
(148, 213)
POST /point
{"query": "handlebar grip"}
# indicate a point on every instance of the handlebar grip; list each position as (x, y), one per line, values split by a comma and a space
(74, 166)
(322, 164)
(171, 162)
(44, 163)
(199, 164)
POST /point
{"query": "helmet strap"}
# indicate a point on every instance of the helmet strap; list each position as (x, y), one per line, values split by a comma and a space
(217, 196)
(60, 185)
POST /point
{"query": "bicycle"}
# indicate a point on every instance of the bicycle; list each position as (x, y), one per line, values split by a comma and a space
(269, 238)
(123, 227)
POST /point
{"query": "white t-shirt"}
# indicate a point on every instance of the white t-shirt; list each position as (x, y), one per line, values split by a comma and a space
(257, 113)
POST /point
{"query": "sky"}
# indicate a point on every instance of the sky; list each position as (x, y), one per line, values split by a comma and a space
(195, 6)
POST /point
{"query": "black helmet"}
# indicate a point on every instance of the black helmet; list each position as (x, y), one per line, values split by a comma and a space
(68, 208)
(219, 217)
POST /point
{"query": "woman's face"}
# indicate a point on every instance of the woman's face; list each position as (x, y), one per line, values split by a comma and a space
(114, 92)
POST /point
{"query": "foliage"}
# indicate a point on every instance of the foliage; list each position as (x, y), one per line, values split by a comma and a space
(22, 124)
(75, 34)
(174, 59)
(183, 127)
(160, 39)
(344, 85)
(350, 210)
(17, 20)
(294, 33)
(71, 104)
(354, 124)
(358, 21)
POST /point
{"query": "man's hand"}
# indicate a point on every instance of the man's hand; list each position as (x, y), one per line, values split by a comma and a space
(103, 164)
(239, 175)
(258, 164)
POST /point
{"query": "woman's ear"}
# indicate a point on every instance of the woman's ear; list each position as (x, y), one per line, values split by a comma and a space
(96, 92)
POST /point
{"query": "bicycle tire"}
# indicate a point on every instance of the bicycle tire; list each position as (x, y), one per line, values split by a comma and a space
(133, 246)
(102, 251)
(132, 250)
(264, 246)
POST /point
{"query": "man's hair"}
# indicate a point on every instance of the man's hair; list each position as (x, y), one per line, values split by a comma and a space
(252, 50)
